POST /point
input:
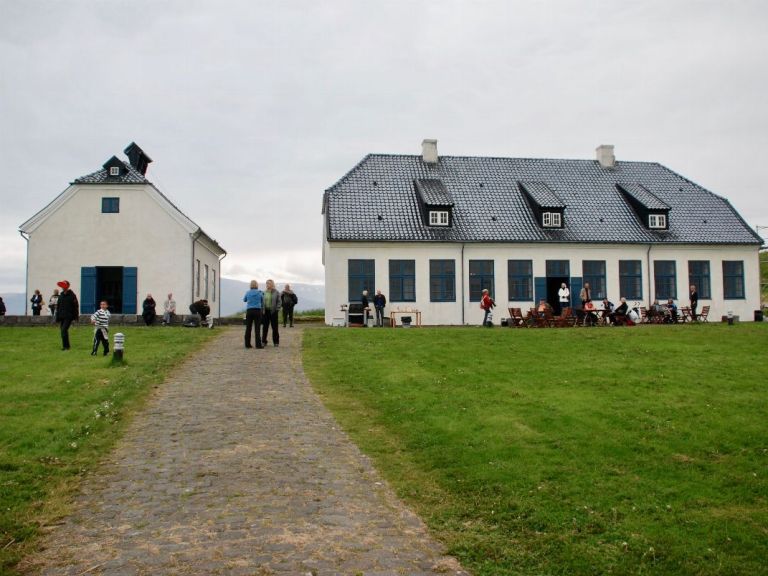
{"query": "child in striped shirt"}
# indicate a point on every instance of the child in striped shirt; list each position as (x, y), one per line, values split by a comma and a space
(100, 320)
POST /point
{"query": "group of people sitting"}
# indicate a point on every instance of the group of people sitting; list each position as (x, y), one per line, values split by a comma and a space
(590, 315)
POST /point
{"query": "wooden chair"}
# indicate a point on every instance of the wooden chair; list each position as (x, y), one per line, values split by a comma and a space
(544, 319)
(644, 319)
(704, 314)
(685, 314)
(516, 318)
(567, 318)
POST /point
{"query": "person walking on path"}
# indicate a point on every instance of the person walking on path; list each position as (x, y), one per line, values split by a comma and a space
(270, 314)
(100, 321)
(236, 463)
(148, 310)
(379, 302)
(288, 300)
(254, 299)
(52, 303)
(67, 311)
(169, 310)
(37, 303)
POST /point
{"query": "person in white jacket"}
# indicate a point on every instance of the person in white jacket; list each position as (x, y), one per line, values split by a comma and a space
(564, 296)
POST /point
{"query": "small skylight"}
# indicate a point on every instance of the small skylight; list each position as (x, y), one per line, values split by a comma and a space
(114, 171)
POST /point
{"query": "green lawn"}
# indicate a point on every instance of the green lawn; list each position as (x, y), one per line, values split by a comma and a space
(566, 451)
(60, 412)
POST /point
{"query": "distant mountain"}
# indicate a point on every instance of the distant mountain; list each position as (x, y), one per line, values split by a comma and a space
(14, 303)
(311, 296)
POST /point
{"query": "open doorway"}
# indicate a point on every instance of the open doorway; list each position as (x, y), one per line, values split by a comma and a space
(553, 292)
(558, 272)
(109, 287)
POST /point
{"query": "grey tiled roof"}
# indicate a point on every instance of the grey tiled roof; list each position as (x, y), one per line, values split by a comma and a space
(489, 206)
(542, 195)
(131, 176)
(433, 192)
(644, 196)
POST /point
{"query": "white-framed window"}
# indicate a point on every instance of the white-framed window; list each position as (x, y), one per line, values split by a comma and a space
(551, 220)
(438, 218)
(657, 221)
(114, 171)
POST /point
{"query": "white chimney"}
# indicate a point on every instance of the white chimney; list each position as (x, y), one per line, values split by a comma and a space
(429, 151)
(605, 155)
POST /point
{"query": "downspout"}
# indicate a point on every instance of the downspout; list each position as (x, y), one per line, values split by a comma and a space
(463, 306)
(218, 289)
(194, 236)
(26, 274)
(648, 268)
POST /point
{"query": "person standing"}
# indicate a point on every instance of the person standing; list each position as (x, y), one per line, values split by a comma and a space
(37, 303)
(148, 310)
(486, 303)
(288, 299)
(585, 295)
(366, 307)
(694, 296)
(254, 300)
(169, 310)
(67, 311)
(2, 307)
(270, 314)
(563, 297)
(100, 321)
(379, 302)
(52, 303)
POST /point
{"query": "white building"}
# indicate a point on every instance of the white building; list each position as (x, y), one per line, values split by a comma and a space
(431, 232)
(116, 237)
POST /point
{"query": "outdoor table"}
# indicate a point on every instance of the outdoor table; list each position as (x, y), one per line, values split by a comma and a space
(393, 316)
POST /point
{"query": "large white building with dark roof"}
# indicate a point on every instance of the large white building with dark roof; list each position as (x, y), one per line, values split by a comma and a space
(116, 237)
(432, 231)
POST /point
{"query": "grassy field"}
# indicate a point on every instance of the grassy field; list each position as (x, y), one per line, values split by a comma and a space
(566, 451)
(60, 412)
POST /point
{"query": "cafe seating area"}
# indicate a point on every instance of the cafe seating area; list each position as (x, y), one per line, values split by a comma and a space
(573, 317)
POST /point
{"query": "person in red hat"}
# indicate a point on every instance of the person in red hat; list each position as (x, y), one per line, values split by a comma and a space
(67, 311)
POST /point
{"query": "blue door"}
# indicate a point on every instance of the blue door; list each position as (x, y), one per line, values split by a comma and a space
(87, 289)
(129, 290)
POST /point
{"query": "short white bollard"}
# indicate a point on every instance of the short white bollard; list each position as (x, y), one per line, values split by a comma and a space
(119, 345)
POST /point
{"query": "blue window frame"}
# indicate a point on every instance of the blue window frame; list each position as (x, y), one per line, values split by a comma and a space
(665, 279)
(593, 271)
(110, 205)
(480, 278)
(361, 276)
(631, 279)
(698, 275)
(442, 281)
(520, 279)
(733, 279)
(402, 281)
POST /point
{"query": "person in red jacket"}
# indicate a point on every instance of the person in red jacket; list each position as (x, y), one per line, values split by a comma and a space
(486, 303)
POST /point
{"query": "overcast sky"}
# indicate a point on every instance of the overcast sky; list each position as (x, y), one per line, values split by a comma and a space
(251, 109)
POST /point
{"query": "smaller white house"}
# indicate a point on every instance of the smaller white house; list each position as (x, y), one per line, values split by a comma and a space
(116, 237)
(433, 231)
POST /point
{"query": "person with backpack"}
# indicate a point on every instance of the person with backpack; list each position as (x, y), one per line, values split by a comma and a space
(288, 299)
(487, 304)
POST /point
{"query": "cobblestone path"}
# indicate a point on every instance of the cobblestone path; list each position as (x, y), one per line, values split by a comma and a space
(235, 467)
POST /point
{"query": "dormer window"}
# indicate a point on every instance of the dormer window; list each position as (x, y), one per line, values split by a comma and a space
(545, 205)
(435, 203)
(114, 171)
(657, 221)
(551, 220)
(438, 217)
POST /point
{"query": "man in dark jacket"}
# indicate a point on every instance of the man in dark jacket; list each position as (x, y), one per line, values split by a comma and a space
(67, 311)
